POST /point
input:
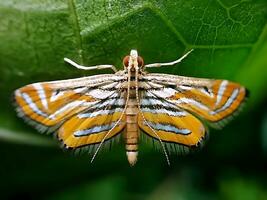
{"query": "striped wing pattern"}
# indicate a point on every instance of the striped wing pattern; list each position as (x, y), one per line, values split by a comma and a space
(172, 124)
(91, 126)
(81, 110)
(173, 104)
(212, 100)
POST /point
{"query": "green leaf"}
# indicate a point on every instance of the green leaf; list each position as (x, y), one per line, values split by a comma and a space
(111, 188)
(238, 188)
(229, 38)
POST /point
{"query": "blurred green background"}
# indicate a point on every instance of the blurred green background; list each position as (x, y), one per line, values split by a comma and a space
(230, 42)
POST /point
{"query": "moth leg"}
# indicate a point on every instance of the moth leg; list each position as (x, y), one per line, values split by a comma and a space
(90, 67)
(170, 63)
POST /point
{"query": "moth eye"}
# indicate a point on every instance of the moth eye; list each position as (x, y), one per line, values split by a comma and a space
(126, 61)
(140, 61)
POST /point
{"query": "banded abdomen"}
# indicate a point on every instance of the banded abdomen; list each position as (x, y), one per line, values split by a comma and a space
(131, 133)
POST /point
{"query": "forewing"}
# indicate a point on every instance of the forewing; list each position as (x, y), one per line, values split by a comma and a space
(81, 110)
(212, 100)
(171, 124)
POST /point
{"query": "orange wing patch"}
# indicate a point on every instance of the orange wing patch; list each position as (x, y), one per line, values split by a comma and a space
(212, 100)
(213, 104)
(82, 115)
(80, 131)
(43, 104)
(186, 130)
(164, 120)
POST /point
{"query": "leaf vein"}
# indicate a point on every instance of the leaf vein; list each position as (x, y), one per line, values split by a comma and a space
(77, 29)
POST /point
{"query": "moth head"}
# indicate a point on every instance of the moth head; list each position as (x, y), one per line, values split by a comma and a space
(133, 60)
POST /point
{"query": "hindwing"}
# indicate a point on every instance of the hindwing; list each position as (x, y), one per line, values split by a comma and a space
(170, 123)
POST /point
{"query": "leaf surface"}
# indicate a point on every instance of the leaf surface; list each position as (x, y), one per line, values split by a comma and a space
(229, 38)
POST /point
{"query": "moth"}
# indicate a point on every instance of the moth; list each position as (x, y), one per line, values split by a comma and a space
(172, 111)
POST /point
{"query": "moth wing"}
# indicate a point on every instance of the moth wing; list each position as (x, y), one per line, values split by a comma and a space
(80, 110)
(178, 129)
(215, 101)
(92, 125)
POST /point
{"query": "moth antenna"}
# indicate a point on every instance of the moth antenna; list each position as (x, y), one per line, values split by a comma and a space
(169, 63)
(124, 110)
(142, 114)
